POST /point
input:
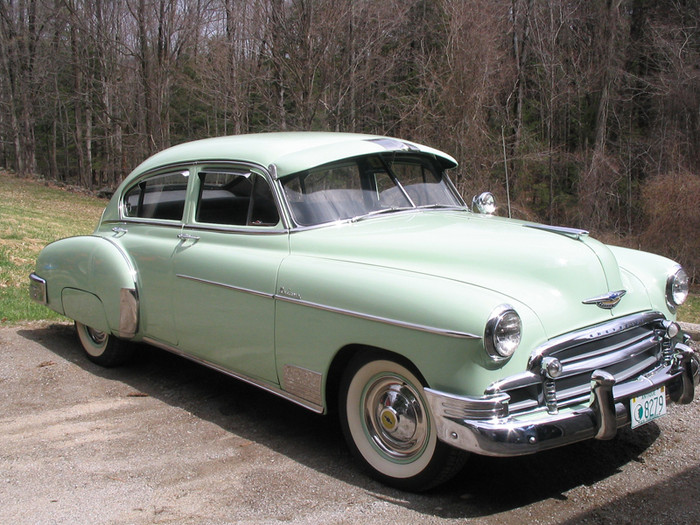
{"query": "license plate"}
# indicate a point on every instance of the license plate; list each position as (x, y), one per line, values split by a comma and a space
(648, 407)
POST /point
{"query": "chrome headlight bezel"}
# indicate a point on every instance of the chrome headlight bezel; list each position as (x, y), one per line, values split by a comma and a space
(677, 288)
(503, 333)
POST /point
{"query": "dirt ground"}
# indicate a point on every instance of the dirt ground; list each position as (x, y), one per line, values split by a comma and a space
(163, 440)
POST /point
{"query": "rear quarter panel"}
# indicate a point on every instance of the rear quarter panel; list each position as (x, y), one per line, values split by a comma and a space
(85, 276)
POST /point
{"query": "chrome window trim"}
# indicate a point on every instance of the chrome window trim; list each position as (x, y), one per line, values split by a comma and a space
(146, 222)
(271, 388)
(431, 159)
(194, 167)
(239, 230)
(156, 172)
(211, 167)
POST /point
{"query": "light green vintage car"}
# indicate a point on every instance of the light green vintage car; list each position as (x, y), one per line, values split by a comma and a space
(345, 271)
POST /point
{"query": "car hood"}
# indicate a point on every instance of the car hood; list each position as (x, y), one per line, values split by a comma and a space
(548, 271)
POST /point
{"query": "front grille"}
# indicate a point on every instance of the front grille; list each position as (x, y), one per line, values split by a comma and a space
(627, 348)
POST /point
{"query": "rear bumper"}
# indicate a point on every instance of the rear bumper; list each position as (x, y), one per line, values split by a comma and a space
(482, 425)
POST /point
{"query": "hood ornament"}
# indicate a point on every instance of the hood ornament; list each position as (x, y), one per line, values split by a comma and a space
(607, 301)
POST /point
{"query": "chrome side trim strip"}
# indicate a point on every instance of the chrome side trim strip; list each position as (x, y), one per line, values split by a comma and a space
(272, 389)
(384, 320)
(227, 286)
(294, 300)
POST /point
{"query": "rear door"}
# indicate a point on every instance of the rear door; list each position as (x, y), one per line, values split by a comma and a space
(225, 272)
(153, 210)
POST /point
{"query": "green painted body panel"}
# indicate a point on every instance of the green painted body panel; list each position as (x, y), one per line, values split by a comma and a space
(87, 307)
(447, 270)
(457, 364)
(550, 273)
(151, 248)
(89, 264)
(220, 320)
(254, 300)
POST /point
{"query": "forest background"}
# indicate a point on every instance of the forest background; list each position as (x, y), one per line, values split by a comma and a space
(583, 113)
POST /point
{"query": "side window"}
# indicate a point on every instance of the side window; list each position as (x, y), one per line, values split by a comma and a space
(159, 197)
(235, 199)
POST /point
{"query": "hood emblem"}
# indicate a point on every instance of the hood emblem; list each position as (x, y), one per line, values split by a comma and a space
(607, 301)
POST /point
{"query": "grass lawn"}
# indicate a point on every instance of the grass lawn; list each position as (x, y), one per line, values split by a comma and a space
(33, 214)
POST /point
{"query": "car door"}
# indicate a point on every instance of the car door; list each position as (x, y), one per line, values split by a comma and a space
(225, 272)
(152, 210)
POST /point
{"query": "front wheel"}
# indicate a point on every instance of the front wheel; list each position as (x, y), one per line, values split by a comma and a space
(388, 426)
(102, 348)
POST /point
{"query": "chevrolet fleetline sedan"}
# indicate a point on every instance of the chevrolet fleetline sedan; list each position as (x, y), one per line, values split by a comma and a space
(344, 271)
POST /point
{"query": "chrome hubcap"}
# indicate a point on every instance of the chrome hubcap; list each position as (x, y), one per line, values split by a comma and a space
(96, 336)
(395, 418)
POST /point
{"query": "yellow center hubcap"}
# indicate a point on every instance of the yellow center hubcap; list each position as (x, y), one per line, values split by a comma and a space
(388, 418)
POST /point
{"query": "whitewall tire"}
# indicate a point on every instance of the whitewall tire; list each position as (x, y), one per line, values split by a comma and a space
(388, 425)
(102, 348)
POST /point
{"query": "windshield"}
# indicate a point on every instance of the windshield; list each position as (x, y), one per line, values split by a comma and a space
(366, 186)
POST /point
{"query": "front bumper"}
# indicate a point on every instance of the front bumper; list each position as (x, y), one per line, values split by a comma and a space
(460, 423)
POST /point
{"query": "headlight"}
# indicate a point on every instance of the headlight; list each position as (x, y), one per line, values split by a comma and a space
(677, 288)
(503, 332)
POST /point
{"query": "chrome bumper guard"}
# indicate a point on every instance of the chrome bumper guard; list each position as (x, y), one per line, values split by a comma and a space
(37, 289)
(483, 426)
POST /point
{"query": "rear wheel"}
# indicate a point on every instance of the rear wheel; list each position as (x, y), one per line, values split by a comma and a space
(388, 426)
(102, 348)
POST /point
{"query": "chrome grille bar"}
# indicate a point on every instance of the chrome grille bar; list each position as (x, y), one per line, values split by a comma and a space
(625, 348)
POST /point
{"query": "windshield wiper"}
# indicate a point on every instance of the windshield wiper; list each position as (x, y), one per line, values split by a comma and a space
(372, 213)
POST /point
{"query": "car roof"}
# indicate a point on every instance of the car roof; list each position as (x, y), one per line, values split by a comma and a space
(284, 153)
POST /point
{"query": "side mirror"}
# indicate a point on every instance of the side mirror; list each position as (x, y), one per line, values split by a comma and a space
(484, 203)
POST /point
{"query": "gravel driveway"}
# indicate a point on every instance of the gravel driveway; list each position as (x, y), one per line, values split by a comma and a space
(166, 441)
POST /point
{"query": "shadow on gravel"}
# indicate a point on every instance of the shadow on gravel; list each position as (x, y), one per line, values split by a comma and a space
(484, 487)
(678, 495)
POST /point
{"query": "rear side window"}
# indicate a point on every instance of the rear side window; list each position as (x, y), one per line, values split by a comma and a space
(235, 199)
(159, 197)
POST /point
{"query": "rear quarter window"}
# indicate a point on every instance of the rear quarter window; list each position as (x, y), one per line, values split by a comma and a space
(158, 197)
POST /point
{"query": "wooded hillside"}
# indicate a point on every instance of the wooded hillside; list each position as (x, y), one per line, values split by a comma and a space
(583, 112)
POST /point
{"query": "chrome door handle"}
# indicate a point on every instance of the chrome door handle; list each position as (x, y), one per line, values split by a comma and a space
(187, 237)
(119, 229)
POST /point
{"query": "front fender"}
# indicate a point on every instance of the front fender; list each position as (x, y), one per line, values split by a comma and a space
(437, 324)
(88, 273)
